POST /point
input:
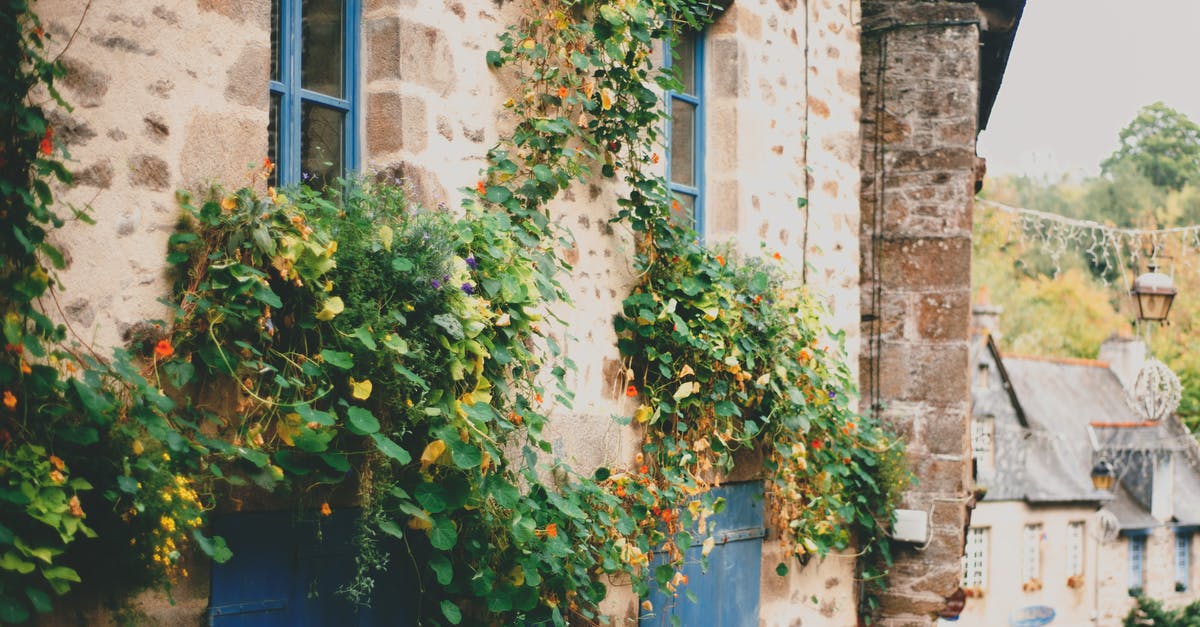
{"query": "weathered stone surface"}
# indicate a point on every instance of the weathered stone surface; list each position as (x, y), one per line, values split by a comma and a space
(219, 147)
(396, 122)
(247, 76)
(156, 127)
(99, 174)
(149, 171)
(87, 84)
(73, 132)
(403, 49)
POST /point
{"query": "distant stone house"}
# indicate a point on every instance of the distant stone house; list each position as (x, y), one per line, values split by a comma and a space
(1042, 536)
(868, 110)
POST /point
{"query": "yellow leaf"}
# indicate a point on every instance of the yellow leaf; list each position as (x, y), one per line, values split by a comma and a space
(643, 414)
(686, 390)
(422, 524)
(606, 98)
(385, 237)
(709, 544)
(687, 369)
(333, 306)
(529, 44)
(229, 203)
(287, 428)
(432, 452)
(360, 389)
(763, 380)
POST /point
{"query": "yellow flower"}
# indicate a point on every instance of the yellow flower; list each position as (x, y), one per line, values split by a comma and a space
(137, 447)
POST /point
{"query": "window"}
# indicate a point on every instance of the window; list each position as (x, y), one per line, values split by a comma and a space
(1031, 560)
(983, 432)
(685, 130)
(312, 135)
(1137, 555)
(1183, 559)
(1075, 549)
(975, 558)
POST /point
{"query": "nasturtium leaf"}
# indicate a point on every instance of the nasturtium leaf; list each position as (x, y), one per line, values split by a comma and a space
(12, 610)
(465, 455)
(401, 264)
(431, 496)
(443, 569)
(332, 307)
(443, 535)
(390, 448)
(781, 569)
(11, 561)
(685, 390)
(213, 547)
(364, 335)
(337, 359)
(432, 452)
(361, 390)
(39, 599)
(392, 529)
(336, 461)
(361, 421)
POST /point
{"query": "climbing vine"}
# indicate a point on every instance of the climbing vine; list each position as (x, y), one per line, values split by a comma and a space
(349, 337)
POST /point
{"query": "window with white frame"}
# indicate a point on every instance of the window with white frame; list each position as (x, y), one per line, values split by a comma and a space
(1031, 555)
(312, 136)
(975, 558)
(685, 130)
(1137, 557)
(1183, 559)
(983, 433)
(1075, 549)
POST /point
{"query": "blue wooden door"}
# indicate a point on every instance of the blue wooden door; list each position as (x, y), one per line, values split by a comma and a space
(286, 572)
(726, 595)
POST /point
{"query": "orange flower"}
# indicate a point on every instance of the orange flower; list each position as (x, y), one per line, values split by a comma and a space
(562, 92)
(57, 477)
(620, 490)
(47, 146)
(481, 187)
(268, 165)
(25, 369)
(721, 260)
(654, 158)
(325, 509)
(57, 462)
(777, 256)
(644, 469)
(631, 391)
(551, 530)
(163, 349)
(538, 397)
(675, 205)
(76, 507)
(10, 401)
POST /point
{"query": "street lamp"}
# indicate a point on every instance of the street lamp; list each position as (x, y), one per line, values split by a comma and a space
(1103, 476)
(1153, 291)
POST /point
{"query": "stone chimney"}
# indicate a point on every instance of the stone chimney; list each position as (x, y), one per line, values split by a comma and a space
(985, 316)
(1125, 354)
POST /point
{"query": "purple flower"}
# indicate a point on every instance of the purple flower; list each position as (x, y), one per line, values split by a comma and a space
(445, 277)
(832, 394)
(436, 284)
(468, 289)
(471, 263)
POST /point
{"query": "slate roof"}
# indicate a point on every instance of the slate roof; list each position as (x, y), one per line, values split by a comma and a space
(1060, 413)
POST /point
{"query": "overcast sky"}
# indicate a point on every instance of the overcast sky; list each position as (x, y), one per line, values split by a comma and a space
(1079, 72)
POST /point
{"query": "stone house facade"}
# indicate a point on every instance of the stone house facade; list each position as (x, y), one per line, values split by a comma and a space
(1043, 538)
(876, 130)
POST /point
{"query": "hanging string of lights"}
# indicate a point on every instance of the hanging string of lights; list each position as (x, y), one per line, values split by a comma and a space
(1107, 247)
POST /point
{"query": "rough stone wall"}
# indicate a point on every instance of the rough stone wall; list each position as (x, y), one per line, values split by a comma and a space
(1158, 576)
(173, 94)
(919, 100)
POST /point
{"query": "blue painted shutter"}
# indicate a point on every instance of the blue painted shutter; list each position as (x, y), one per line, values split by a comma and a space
(286, 571)
(726, 595)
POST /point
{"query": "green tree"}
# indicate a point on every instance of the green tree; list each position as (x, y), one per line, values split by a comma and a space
(1163, 144)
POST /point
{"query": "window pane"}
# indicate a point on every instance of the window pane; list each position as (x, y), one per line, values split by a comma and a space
(323, 49)
(683, 210)
(685, 61)
(683, 142)
(321, 141)
(273, 135)
(275, 33)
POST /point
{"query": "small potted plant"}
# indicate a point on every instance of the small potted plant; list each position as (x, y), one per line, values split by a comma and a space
(1033, 585)
(1075, 582)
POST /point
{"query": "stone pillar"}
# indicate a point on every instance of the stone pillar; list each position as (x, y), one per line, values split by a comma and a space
(920, 76)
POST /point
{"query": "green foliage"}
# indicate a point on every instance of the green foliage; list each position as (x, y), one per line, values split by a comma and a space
(1149, 612)
(1161, 143)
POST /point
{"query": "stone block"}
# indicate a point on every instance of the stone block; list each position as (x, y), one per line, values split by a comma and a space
(402, 49)
(247, 76)
(944, 315)
(149, 171)
(947, 434)
(932, 263)
(394, 123)
(98, 174)
(85, 84)
(945, 158)
(220, 147)
(726, 55)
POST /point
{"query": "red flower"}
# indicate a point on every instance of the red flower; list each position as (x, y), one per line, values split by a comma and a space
(163, 349)
(481, 187)
(47, 146)
(644, 469)
(631, 391)
(817, 445)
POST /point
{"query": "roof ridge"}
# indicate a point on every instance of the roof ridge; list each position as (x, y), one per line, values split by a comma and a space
(1066, 361)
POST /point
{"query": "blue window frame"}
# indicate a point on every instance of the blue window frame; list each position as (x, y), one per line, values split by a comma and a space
(312, 133)
(1137, 557)
(685, 128)
(1183, 559)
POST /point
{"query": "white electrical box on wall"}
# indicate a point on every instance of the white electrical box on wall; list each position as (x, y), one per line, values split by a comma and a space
(912, 525)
